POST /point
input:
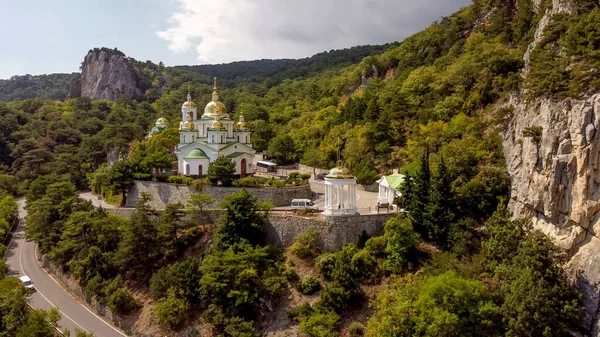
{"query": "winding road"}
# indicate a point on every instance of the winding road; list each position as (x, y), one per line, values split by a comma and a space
(21, 259)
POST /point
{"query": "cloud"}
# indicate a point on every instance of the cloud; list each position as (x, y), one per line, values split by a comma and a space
(233, 30)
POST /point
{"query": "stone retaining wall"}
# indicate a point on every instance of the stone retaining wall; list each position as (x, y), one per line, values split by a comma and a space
(333, 231)
(166, 193)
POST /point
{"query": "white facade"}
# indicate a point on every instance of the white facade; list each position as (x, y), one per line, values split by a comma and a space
(340, 193)
(389, 188)
(214, 134)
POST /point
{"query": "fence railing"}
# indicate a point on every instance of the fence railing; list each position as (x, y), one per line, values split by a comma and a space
(56, 330)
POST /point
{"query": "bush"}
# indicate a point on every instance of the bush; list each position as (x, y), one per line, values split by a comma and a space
(159, 284)
(172, 311)
(305, 245)
(365, 265)
(321, 324)
(290, 274)
(142, 176)
(122, 302)
(180, 180)
(356, 329)
(376, 246)
(326, 263)
(249, 182)
(310, 285)
(275, 182)
(198, 184)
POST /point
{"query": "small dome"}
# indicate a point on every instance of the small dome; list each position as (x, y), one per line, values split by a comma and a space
(189, 105)
(187, 125)
(215, 108)
(339, 173)
(216, 124)
(240, 125)
(161, 121)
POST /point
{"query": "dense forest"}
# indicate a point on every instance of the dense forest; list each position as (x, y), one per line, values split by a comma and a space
(47, 87)
(455, 265)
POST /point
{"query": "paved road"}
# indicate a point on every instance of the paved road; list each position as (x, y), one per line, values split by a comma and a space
(96, 201)
(22, 261)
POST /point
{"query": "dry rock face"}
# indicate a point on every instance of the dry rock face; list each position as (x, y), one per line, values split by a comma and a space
(107, 75)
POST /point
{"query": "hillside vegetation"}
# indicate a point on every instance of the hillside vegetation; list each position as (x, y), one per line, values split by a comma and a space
(456, 265)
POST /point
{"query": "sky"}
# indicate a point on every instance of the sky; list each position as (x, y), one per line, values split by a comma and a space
(42, 37)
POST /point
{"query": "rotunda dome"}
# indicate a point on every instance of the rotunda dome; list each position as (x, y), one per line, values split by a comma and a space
(241, 125)
(339, 173)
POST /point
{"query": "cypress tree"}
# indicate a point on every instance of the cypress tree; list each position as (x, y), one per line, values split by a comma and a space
(440, 209)
(421, 196)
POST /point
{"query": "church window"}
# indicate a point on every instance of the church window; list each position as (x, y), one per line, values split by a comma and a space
(238, 138)
(246, 139)
(200, 170)
(222, 140)
(213, 139)
(187, 169)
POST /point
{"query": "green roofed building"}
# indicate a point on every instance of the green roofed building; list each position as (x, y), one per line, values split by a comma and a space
(389, 188)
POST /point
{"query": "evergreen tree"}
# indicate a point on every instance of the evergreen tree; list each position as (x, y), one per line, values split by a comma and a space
(221, 170)
(440, 209)
(419, 202)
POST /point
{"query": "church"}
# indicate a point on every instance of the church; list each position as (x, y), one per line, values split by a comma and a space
(214, 134)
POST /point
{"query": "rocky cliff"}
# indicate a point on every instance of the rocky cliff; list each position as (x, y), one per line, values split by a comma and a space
(552, 150)
(106, 74)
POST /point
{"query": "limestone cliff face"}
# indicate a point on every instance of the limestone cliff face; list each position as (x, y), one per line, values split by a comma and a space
(106, 75)
(555, 177)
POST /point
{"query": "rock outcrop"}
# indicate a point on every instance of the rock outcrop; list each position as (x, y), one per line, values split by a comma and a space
(552, 150)
(106, 75)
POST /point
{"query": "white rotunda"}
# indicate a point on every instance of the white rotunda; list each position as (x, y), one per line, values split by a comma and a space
(340, 192)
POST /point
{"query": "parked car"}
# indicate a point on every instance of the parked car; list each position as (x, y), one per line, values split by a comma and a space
(26, 282)
(303, 204)
(321, 176)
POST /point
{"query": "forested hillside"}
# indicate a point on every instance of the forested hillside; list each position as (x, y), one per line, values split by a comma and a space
(433, 106)
(50, 87)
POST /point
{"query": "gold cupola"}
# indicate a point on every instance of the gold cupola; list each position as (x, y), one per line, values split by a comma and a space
(188, 124)
(241, 125)
(215, 107)
(189, 104)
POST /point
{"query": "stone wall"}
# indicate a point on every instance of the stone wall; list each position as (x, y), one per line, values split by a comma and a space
(166, 193)
(333, 232)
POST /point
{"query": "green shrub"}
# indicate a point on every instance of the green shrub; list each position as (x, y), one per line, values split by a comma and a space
(95, 285)
(310, 285)
(365, 264)
(249, 182)
(356, 329)
(122, 302)
(305, 176)
(181, 180)
(198, 184)
(159, 284)
(305, 245)
(172, 311)
(321, 324)
(302, 312)
(290, 274)
(326, 263)
(142, 176)
(376, 246)
(275, 182)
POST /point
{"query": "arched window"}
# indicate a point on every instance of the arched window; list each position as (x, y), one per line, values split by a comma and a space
(213, 139)
(187, 169)
(200, 170)
(222, 140)
(238, 138)
(246, 139)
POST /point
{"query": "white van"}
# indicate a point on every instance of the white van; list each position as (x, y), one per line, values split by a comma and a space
(303, 204)
(26, 281)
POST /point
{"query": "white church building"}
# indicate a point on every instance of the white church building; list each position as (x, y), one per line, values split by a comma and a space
(214, 134)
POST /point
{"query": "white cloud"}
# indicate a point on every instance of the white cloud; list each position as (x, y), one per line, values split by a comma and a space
(232, 30)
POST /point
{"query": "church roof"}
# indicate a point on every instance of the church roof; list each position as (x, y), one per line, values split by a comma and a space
(394, 180)
(196, 154)
(235, 154)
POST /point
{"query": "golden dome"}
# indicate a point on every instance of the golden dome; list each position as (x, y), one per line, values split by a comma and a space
(187, 125)
(216, 124)
(189, 105)
(215, 108)
(161, 121)
(240, 125)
